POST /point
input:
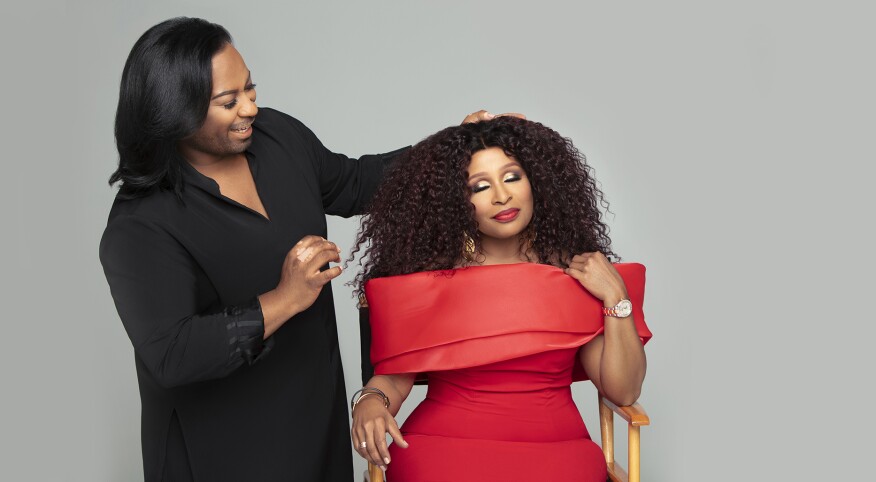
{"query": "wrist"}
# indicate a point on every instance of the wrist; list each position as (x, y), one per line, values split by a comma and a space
(367, 401)
(277, 307)
(613, 299)
(621, 309)
(360, 395)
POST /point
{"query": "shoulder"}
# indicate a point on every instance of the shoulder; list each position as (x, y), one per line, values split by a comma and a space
(136, 224)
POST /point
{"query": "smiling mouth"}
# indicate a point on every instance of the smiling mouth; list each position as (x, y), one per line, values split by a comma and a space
(241, 129)
(507, 215)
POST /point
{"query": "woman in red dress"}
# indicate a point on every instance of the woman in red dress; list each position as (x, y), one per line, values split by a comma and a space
(486, 266)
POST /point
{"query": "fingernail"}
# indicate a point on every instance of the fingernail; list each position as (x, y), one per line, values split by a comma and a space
(386, 460)
(489, 115)
(382, 467)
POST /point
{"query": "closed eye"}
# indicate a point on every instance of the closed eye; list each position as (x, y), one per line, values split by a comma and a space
(233, 103)
(479, 187)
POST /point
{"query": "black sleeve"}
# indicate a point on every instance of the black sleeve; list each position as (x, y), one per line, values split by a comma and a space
(157, 288)
(346, 184)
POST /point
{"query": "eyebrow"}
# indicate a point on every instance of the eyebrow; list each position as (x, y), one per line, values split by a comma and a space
(234, 91)
(512, 163)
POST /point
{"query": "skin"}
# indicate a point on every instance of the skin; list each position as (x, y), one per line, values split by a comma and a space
(217, 150)
(615, 360)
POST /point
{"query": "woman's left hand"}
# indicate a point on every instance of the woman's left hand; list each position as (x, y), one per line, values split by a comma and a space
(598, 276)
(483, 115)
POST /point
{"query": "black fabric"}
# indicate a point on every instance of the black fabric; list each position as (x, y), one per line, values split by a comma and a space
(185, 276)
(176, 467)
(365, 345)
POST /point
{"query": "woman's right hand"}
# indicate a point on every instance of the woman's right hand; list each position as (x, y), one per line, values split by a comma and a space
(300, 280)
(371, 422)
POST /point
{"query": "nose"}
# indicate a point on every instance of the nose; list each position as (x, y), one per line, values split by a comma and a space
(501, 195)
(248, 107)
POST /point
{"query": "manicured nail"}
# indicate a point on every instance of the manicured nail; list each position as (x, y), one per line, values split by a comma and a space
(382, 467)
(489, 115)
(386, 460)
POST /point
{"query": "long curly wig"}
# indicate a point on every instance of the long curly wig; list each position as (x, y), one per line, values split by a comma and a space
(420, 215)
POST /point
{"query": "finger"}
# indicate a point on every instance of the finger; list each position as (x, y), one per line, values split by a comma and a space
(575, 273)
(381, 442)
(308, 240)
(512, 114)
(582, 257)
(321, 258)
(307, 247)
(358, 437)
(478, 116)
(324, 277)
(371, 442)
(392, 428)
(578, 265)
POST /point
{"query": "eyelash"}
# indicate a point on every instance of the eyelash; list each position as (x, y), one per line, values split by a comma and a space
(476, 189)
(233, 103)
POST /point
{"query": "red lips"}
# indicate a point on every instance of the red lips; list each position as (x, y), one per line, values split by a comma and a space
(507, 215)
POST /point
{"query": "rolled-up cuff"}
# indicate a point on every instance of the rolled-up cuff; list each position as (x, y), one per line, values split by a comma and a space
(246, 332)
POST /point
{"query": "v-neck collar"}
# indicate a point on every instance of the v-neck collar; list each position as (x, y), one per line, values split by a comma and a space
(196, 178)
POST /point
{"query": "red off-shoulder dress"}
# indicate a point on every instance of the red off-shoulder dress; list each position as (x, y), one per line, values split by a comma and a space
(498, 345)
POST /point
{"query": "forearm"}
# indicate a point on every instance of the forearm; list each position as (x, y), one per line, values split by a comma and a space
(622, 367)
(396, 387)
(277, 310)
(205, 346)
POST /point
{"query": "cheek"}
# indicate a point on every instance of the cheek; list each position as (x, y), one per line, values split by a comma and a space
(479, 208)
(219, 120)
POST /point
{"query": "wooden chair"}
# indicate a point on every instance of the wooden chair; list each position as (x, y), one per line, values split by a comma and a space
(634, 415)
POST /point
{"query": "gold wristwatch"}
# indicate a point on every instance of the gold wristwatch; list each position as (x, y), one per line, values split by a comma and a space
(622, 309)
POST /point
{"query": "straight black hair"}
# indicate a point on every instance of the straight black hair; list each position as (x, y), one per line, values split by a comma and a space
(163, 98)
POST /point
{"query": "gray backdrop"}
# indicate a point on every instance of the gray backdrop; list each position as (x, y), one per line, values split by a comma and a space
(733, 140)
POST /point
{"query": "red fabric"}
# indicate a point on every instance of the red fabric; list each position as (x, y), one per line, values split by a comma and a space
(499, 344)
(442, 320)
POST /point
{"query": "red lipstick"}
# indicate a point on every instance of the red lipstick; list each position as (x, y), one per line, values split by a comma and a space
(507, 215)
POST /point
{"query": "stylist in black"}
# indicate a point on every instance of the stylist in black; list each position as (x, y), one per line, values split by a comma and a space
(216, 257)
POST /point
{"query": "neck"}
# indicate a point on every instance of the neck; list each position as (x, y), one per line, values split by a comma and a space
(215, 165)
(503, 251)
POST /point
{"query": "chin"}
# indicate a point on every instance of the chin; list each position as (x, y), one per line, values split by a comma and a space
(236, 147)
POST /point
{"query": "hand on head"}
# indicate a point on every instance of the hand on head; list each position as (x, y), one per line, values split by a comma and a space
(483, 115)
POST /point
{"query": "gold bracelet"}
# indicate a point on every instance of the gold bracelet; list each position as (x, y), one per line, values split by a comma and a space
(363, 396)
(365, 391)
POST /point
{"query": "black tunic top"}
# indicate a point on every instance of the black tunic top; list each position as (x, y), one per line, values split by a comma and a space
(217, 401)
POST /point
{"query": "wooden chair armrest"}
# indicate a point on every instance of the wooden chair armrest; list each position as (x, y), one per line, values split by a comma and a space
(634, 414)
(374, 473)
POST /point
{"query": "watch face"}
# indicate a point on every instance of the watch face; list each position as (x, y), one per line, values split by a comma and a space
(624, 308)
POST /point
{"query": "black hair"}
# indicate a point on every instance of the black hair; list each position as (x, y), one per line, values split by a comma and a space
(163, 98)
(422, 211)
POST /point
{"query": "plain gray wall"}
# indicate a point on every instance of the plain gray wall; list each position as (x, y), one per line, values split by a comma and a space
(733, 140)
